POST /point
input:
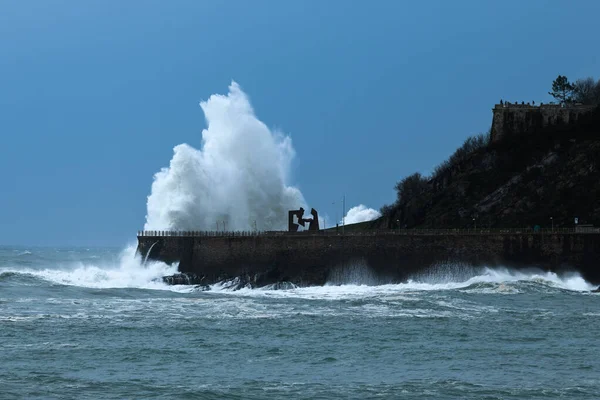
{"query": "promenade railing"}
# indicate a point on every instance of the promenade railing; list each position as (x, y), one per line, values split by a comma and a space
(376, 232)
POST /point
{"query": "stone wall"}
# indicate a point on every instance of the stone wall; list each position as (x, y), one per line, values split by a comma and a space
(510, 119)
(314, 259)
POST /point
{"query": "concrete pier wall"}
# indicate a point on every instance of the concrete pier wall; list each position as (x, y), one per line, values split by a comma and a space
(313, 259)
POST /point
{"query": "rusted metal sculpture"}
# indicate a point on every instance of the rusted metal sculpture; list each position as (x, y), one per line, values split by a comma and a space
(299, 214)
(314, 222)
(293, 227)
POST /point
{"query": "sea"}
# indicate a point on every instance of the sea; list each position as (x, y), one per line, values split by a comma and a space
(98, 323)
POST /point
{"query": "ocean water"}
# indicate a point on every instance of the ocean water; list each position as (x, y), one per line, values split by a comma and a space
(79, 323)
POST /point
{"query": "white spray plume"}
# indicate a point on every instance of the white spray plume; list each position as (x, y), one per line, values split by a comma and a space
(238, 176)
(361, 213)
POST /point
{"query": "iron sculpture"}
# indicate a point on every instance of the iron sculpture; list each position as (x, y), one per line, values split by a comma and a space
(313, 223)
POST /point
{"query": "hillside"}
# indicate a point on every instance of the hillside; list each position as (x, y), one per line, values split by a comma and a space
(522, 180)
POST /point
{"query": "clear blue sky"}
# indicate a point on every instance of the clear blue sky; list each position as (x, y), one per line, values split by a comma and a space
(95, 94)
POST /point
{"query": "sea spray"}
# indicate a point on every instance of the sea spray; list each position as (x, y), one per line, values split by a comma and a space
(148, 253)
(488, 280)
(237, 178)
(361, 213)
(353, 273)
(127, 271)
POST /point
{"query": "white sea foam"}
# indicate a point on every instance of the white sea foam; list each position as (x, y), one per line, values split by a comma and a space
(499, 280)
(130, 272)
(127, 272)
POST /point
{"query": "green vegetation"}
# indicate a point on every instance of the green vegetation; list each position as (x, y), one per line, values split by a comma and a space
(562, 90)
(583, 91)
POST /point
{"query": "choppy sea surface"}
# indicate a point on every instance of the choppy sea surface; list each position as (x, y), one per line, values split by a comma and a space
(79, 323)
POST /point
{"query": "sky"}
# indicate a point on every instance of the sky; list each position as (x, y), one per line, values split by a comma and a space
(95, 95)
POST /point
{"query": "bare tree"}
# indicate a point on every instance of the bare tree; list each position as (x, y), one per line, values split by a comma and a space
(596, 97)
(585, 91)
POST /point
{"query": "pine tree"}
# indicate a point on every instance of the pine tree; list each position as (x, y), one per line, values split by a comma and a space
(562, 90)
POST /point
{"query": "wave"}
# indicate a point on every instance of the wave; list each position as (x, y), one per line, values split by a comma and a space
(126, 272)
(485, 280)
(502, 276)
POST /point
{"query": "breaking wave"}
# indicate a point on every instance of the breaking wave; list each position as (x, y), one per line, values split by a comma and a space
(487, 280)
(127, 271)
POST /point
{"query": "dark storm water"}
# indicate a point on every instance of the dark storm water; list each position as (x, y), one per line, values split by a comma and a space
(92, 324)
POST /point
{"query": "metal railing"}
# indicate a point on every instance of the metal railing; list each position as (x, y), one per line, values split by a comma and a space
(200, 233)
(376, 232)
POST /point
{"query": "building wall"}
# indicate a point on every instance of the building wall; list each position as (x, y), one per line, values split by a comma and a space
(510, 119)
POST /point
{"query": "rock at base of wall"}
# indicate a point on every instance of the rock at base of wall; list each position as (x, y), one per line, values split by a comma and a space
(185, 279)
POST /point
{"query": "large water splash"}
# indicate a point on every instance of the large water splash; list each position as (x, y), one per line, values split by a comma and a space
(238, 176)
(361, 213)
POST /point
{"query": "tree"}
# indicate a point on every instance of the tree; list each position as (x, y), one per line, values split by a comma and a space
(562, 90)
(584, 91)
(386, 210)
(410, 187)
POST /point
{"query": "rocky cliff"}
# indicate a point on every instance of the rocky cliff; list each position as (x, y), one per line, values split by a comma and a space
(545, 176)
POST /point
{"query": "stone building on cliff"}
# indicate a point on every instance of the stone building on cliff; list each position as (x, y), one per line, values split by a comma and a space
(512, 118)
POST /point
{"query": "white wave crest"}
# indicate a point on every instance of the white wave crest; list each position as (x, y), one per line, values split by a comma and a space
(127, 272)
(501, 278)
(237, 177)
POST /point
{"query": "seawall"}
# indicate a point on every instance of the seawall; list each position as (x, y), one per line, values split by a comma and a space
(315, 259)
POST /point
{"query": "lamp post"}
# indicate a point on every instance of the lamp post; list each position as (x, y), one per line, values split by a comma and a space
(552, 222)
(336, 214)
(475, 223)
(343, 214)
